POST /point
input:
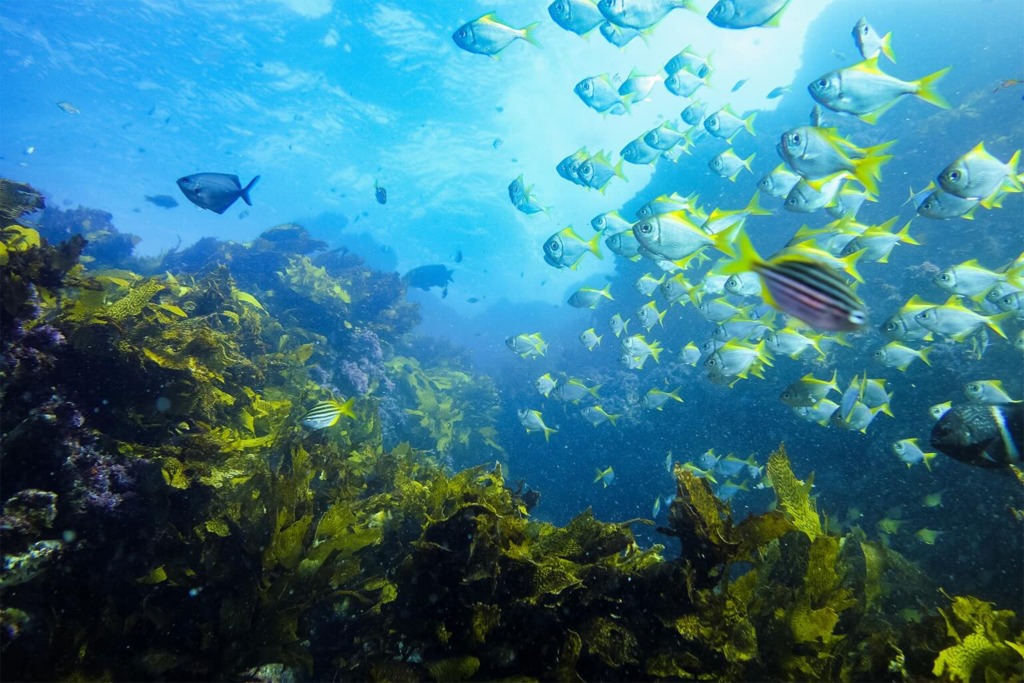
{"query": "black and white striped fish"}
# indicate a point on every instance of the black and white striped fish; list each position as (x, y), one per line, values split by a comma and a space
(802, 287)
(326, 413)
(982, 435)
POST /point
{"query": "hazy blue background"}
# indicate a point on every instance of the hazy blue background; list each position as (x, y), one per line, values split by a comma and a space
(321, 98)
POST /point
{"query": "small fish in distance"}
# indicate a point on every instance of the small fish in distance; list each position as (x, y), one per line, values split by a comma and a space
(164, 201)
(215, 191)
(425, 277)
(380, 193)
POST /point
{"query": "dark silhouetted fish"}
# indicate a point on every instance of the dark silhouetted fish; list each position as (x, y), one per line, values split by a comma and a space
(425, 277)
(164, 201)
(380, 193)
(215, 191)
(984, 435)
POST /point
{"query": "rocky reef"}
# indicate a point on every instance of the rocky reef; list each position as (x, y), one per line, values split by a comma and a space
(168, 515)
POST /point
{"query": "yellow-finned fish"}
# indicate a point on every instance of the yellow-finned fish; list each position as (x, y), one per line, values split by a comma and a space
(605, 476)
(870, 43)
(979, 175)
(488, 36)
(866, 91)
(808, 390)
(326, 413)
(533, 422)
(819, 153)
(565, 248)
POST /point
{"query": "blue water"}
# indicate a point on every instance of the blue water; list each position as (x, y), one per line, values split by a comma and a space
(324, 98)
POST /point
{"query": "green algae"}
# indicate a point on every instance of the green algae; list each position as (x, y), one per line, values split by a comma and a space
(264, 546)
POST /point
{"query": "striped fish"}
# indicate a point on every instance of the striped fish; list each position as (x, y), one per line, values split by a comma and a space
(802, 287)
(380, 193)
(326, 413)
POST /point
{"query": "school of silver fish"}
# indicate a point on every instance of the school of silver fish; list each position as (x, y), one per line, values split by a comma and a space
(800, 303)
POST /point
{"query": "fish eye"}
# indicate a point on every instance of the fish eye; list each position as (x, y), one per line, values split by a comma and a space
(954, 176)
(865, 29)
(944, 277)
(645, 227)
(552, 245)
(889, 326)
(795, 138)
(822, 83)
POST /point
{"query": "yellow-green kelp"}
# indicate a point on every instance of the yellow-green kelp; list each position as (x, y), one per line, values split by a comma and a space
(244, 546)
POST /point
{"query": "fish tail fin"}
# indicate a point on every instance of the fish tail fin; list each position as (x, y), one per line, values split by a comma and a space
(833, 383)
(743, 261)
(869, 171)
(996, 322)
(548, 431)
(346, 408)
(754, 208)
(593, 390)
(661, 317)
(656, 350)
(924, 353)
(926, 88)
(244, 193)
(927, 460)
(528, 34)
(746, 162)
(618, 170)
(1013, 180)
(594, 246)
(887, 47)
(748, 123)
(905, 237)
(613, 418)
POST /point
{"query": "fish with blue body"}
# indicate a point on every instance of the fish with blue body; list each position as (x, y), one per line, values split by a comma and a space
(215, 191)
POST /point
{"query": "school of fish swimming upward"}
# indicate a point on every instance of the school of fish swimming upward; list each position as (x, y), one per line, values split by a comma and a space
(701, 256)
